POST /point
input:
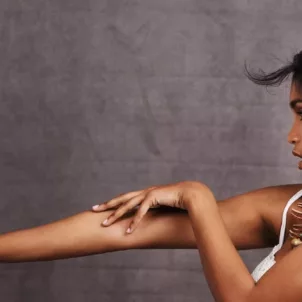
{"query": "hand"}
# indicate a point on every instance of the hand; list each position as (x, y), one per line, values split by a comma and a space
(173, 195)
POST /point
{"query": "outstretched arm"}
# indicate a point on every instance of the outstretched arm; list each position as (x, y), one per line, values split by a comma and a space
(82, 234)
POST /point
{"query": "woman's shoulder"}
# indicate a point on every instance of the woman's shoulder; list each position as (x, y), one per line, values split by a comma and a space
(273, 207)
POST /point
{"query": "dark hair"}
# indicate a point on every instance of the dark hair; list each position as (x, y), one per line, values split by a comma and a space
(277, 77)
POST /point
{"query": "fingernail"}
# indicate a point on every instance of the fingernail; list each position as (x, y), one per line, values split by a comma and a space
(105, 222)
(128, 230)
(95, 207)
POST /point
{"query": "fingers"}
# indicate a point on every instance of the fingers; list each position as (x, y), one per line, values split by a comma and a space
(123, 209)
(139, 215)
(125, 202)
(115, 201)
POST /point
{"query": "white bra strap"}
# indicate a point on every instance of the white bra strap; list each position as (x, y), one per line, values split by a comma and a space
(289, 203)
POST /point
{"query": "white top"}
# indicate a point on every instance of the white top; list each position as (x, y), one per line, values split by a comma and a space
(269, 261)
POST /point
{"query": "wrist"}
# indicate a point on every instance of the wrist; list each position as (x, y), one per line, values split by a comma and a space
(201, 197)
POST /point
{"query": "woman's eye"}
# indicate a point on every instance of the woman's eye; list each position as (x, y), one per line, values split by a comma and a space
(300, 113)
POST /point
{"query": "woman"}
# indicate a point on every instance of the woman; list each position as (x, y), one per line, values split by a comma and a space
(186, 215)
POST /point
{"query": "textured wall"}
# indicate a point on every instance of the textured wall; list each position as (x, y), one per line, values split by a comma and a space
(103, 97)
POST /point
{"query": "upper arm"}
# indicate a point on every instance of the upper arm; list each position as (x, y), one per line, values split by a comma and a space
(258, 213)
(283, 282)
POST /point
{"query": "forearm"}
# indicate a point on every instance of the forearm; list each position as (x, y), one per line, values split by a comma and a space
(226, 273)
(83, 234)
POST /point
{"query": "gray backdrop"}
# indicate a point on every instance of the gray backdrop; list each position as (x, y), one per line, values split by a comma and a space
(104, 97)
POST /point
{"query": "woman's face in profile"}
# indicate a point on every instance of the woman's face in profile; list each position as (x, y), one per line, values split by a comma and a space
(295, 133)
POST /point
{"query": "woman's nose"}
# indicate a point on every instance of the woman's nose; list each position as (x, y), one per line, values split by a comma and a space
(293, 137)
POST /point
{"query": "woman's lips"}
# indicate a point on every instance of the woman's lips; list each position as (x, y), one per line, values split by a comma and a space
(295, 153)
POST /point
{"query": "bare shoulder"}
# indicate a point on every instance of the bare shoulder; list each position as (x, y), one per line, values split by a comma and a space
(253, 219)
(271, 203)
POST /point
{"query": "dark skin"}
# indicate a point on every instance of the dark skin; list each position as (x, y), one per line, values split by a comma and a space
(294, 214)
(283, 281)
(232, 282)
